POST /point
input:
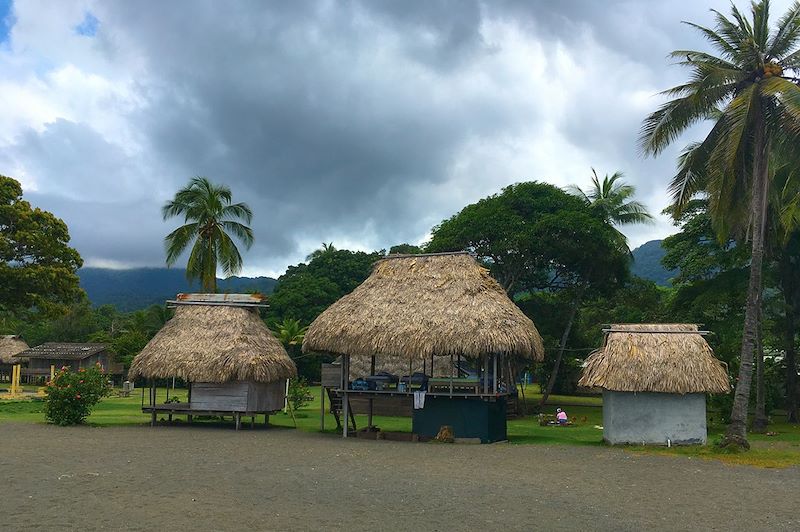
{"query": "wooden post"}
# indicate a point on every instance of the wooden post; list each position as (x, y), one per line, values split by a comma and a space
(189, 400)
(238, 419)
(152, 402)
(485, 373)
(345, 401)
(451, 374)
(322, 408)
(371, 372)
(494, 372)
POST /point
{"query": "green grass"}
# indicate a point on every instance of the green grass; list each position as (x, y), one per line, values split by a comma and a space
(779, 450)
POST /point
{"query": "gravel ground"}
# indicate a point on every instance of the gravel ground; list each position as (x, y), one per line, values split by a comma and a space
(193, 478)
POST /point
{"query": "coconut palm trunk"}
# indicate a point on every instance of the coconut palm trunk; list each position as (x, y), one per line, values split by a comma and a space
(760, 419)
(736, 434)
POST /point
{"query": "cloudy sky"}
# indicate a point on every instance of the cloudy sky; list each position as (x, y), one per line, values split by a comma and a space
(363, 123)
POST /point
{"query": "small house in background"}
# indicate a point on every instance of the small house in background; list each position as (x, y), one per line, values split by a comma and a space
(10, 345)
(219, 345)
(72, 355)
(655, 378)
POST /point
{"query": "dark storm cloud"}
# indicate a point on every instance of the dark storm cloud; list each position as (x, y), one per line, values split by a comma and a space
(364, 123)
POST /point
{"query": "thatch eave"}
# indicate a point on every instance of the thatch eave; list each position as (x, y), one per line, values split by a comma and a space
(417, 306)
(635, 359)
(205, 343)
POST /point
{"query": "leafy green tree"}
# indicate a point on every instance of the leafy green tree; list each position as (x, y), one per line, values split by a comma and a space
(534, 236)
(37, 266)
(611, 200)
(695, 251)
(211, 218)
(405, 249)
(747, 93)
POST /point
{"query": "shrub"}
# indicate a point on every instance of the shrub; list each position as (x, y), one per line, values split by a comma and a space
(299, 394)
(72, 395)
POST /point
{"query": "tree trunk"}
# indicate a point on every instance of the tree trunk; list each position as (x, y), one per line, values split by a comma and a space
(791, 367)
(736, 434)
(552, 381)
(760, 420)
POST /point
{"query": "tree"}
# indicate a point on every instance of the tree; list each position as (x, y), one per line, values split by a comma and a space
(37, 266)
(326, 248)
(612, 201)
(534, 236)
(211, 218)
(405, 249)
(290, 332)
(752, 104)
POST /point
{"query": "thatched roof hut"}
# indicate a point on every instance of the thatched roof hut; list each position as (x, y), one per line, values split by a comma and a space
(416, 306)
(214, 343)
(667, 358)
(10, 345)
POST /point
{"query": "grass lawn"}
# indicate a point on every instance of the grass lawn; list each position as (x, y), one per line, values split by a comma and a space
(779, 450)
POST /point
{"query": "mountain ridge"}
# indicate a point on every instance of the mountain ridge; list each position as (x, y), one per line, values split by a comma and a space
(137, 288)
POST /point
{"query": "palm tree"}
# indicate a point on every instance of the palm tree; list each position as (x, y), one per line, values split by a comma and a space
(210, 218)
(324, 250)
(611, 200)
(290, 332)
(750, 95)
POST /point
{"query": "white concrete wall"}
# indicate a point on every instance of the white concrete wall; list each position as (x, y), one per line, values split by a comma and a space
(654, 418)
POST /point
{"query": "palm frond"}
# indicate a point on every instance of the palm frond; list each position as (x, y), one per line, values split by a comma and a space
(240, 231)
(786, 37)
(178, 240)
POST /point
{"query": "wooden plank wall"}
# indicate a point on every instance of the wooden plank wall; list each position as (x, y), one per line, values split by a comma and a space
(224, 396)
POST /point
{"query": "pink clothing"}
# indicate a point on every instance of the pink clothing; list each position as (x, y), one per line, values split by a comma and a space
(561, 416)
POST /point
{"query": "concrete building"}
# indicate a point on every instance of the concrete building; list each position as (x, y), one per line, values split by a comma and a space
(655, 378)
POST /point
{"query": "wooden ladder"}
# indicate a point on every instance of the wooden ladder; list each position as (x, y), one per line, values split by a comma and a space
(335, 400)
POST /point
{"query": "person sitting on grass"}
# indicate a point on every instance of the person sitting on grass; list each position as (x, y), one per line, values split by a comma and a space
(561, 417)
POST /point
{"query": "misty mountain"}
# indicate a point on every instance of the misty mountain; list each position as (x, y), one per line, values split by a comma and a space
(647, 263)
(141, 287)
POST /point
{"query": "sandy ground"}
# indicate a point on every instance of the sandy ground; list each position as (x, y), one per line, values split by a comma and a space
(193, 478)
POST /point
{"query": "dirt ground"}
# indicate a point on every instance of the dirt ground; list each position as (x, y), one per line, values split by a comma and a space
(194, 478)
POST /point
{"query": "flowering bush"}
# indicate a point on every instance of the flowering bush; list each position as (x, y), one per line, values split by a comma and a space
(71, 395)
(299, 394)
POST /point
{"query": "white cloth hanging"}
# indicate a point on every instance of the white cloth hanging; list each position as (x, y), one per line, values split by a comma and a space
(419, 400)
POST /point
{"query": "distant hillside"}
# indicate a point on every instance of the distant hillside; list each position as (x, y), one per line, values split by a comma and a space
(141, 287)
(647, 263)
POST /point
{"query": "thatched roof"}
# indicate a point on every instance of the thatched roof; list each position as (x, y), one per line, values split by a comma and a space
(205, 343)
(415, 306)
(63, 351)
(10, 345)
(637, 359)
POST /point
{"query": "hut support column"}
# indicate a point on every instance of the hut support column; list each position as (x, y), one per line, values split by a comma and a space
(371, 401)
(189, 400)
(494, 372)
(345, 400)
(322, 408)
(152, 402)
(485, 374)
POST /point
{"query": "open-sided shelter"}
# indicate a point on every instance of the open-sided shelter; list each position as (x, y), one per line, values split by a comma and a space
(219, 345)
(44, 358)
(10, 345)
(415, 309)
(655, 378)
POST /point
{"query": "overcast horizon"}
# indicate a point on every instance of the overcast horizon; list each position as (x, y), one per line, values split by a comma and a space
(362, 123)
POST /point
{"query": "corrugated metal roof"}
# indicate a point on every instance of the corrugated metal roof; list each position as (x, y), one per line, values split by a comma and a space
(63, 351)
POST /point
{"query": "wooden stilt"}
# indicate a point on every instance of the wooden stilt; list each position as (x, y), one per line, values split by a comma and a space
(238, 418)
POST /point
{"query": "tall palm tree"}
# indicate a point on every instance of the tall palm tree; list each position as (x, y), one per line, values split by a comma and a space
(750, 94)
(211, 218)
(611, 200)
(324, 250)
